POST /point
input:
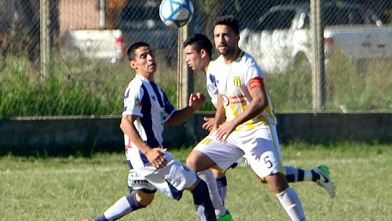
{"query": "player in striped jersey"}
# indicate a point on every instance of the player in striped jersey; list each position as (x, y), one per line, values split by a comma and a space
(146, 110)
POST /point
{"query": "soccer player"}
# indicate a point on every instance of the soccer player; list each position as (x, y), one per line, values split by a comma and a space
(198, 52)
(146, 110)
(244, 122)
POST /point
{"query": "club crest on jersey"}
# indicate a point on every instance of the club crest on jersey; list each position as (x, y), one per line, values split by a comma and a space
(237, 81)
(225, 100)
(137, 103)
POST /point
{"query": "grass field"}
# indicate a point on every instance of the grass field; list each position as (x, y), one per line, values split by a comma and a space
(75, 188)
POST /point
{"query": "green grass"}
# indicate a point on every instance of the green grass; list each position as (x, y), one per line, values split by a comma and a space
(75, 188)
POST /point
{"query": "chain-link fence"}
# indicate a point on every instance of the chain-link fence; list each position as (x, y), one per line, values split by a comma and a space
(88, 35)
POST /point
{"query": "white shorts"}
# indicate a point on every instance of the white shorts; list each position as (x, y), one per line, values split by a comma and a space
(259, 146)
(171, 180)
(136, 182)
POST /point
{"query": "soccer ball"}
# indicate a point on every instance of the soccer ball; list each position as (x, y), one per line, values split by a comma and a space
(176, 13)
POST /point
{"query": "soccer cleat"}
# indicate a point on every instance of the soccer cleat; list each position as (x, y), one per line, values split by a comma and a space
(325, 181)
(226, 217)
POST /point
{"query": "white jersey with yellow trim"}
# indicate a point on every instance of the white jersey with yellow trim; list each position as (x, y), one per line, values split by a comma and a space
(231, 81)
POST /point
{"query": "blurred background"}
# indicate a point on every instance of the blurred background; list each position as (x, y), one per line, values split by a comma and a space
(67, 57)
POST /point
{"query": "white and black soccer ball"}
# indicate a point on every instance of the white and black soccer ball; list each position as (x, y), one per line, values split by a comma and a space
(176, 13)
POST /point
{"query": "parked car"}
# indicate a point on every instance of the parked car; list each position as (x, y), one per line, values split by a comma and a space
(136, 22)
(282, 35)
(93, 44)
(141, 22)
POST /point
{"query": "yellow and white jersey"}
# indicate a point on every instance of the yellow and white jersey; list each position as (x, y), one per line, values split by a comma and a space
(231, 81)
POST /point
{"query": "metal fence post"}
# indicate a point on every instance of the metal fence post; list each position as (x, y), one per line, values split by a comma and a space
(102, 14)
(44, 37)
(184, 73)
(318, 69)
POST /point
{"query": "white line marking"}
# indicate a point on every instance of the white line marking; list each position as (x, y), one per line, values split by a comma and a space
(62, 171)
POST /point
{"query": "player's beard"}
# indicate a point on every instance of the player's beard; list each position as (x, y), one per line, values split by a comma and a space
(228, 52)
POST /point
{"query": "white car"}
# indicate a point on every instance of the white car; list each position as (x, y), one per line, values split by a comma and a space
(282, 35)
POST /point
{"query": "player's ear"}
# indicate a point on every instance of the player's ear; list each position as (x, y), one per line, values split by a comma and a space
(238, 38)
(203, 53)
(132, 64)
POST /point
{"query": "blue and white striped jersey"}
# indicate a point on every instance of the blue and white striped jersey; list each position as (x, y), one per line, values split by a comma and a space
(145, 99)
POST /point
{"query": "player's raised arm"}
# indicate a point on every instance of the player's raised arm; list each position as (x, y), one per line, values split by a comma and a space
(179, 116)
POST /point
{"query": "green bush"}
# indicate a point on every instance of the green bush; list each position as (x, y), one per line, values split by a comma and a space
(350, 86)
(80, 86)
(66, 90)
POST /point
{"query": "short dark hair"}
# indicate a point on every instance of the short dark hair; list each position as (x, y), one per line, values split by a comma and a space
(230, 21)
(199, 41)
(131, 50)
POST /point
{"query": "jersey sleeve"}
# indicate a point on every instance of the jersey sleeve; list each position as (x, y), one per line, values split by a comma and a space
(253, 71)
(212, 88)
(211, 85)
(168, 108)
(133, 101)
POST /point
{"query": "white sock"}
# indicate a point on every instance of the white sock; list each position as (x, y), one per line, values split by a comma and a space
(291, 203)
(216, 200)
(308, 175)
(119, 209)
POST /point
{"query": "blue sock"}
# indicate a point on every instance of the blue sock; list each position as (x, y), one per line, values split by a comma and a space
(202, 202)
(221, 182)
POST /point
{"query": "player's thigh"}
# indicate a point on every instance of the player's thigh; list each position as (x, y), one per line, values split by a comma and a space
(173, 179)
(218, 172)
(263, 154)
(145, 198)
(222, 154)
(137, 182)
(198, 161)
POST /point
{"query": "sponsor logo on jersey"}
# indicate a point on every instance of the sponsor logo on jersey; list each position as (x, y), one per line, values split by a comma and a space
(237, 81)
(139, 181)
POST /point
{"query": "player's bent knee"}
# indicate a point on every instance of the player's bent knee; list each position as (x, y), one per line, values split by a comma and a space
(277, 183)
(198, 161)
(190, 162)
(193, 160)
(144, 198)
(177, 177)
(181, 176)
(262, 180)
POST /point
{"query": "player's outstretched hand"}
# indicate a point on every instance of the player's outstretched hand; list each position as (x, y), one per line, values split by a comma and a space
(156, 157)
(196, 100)
(209, 123)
